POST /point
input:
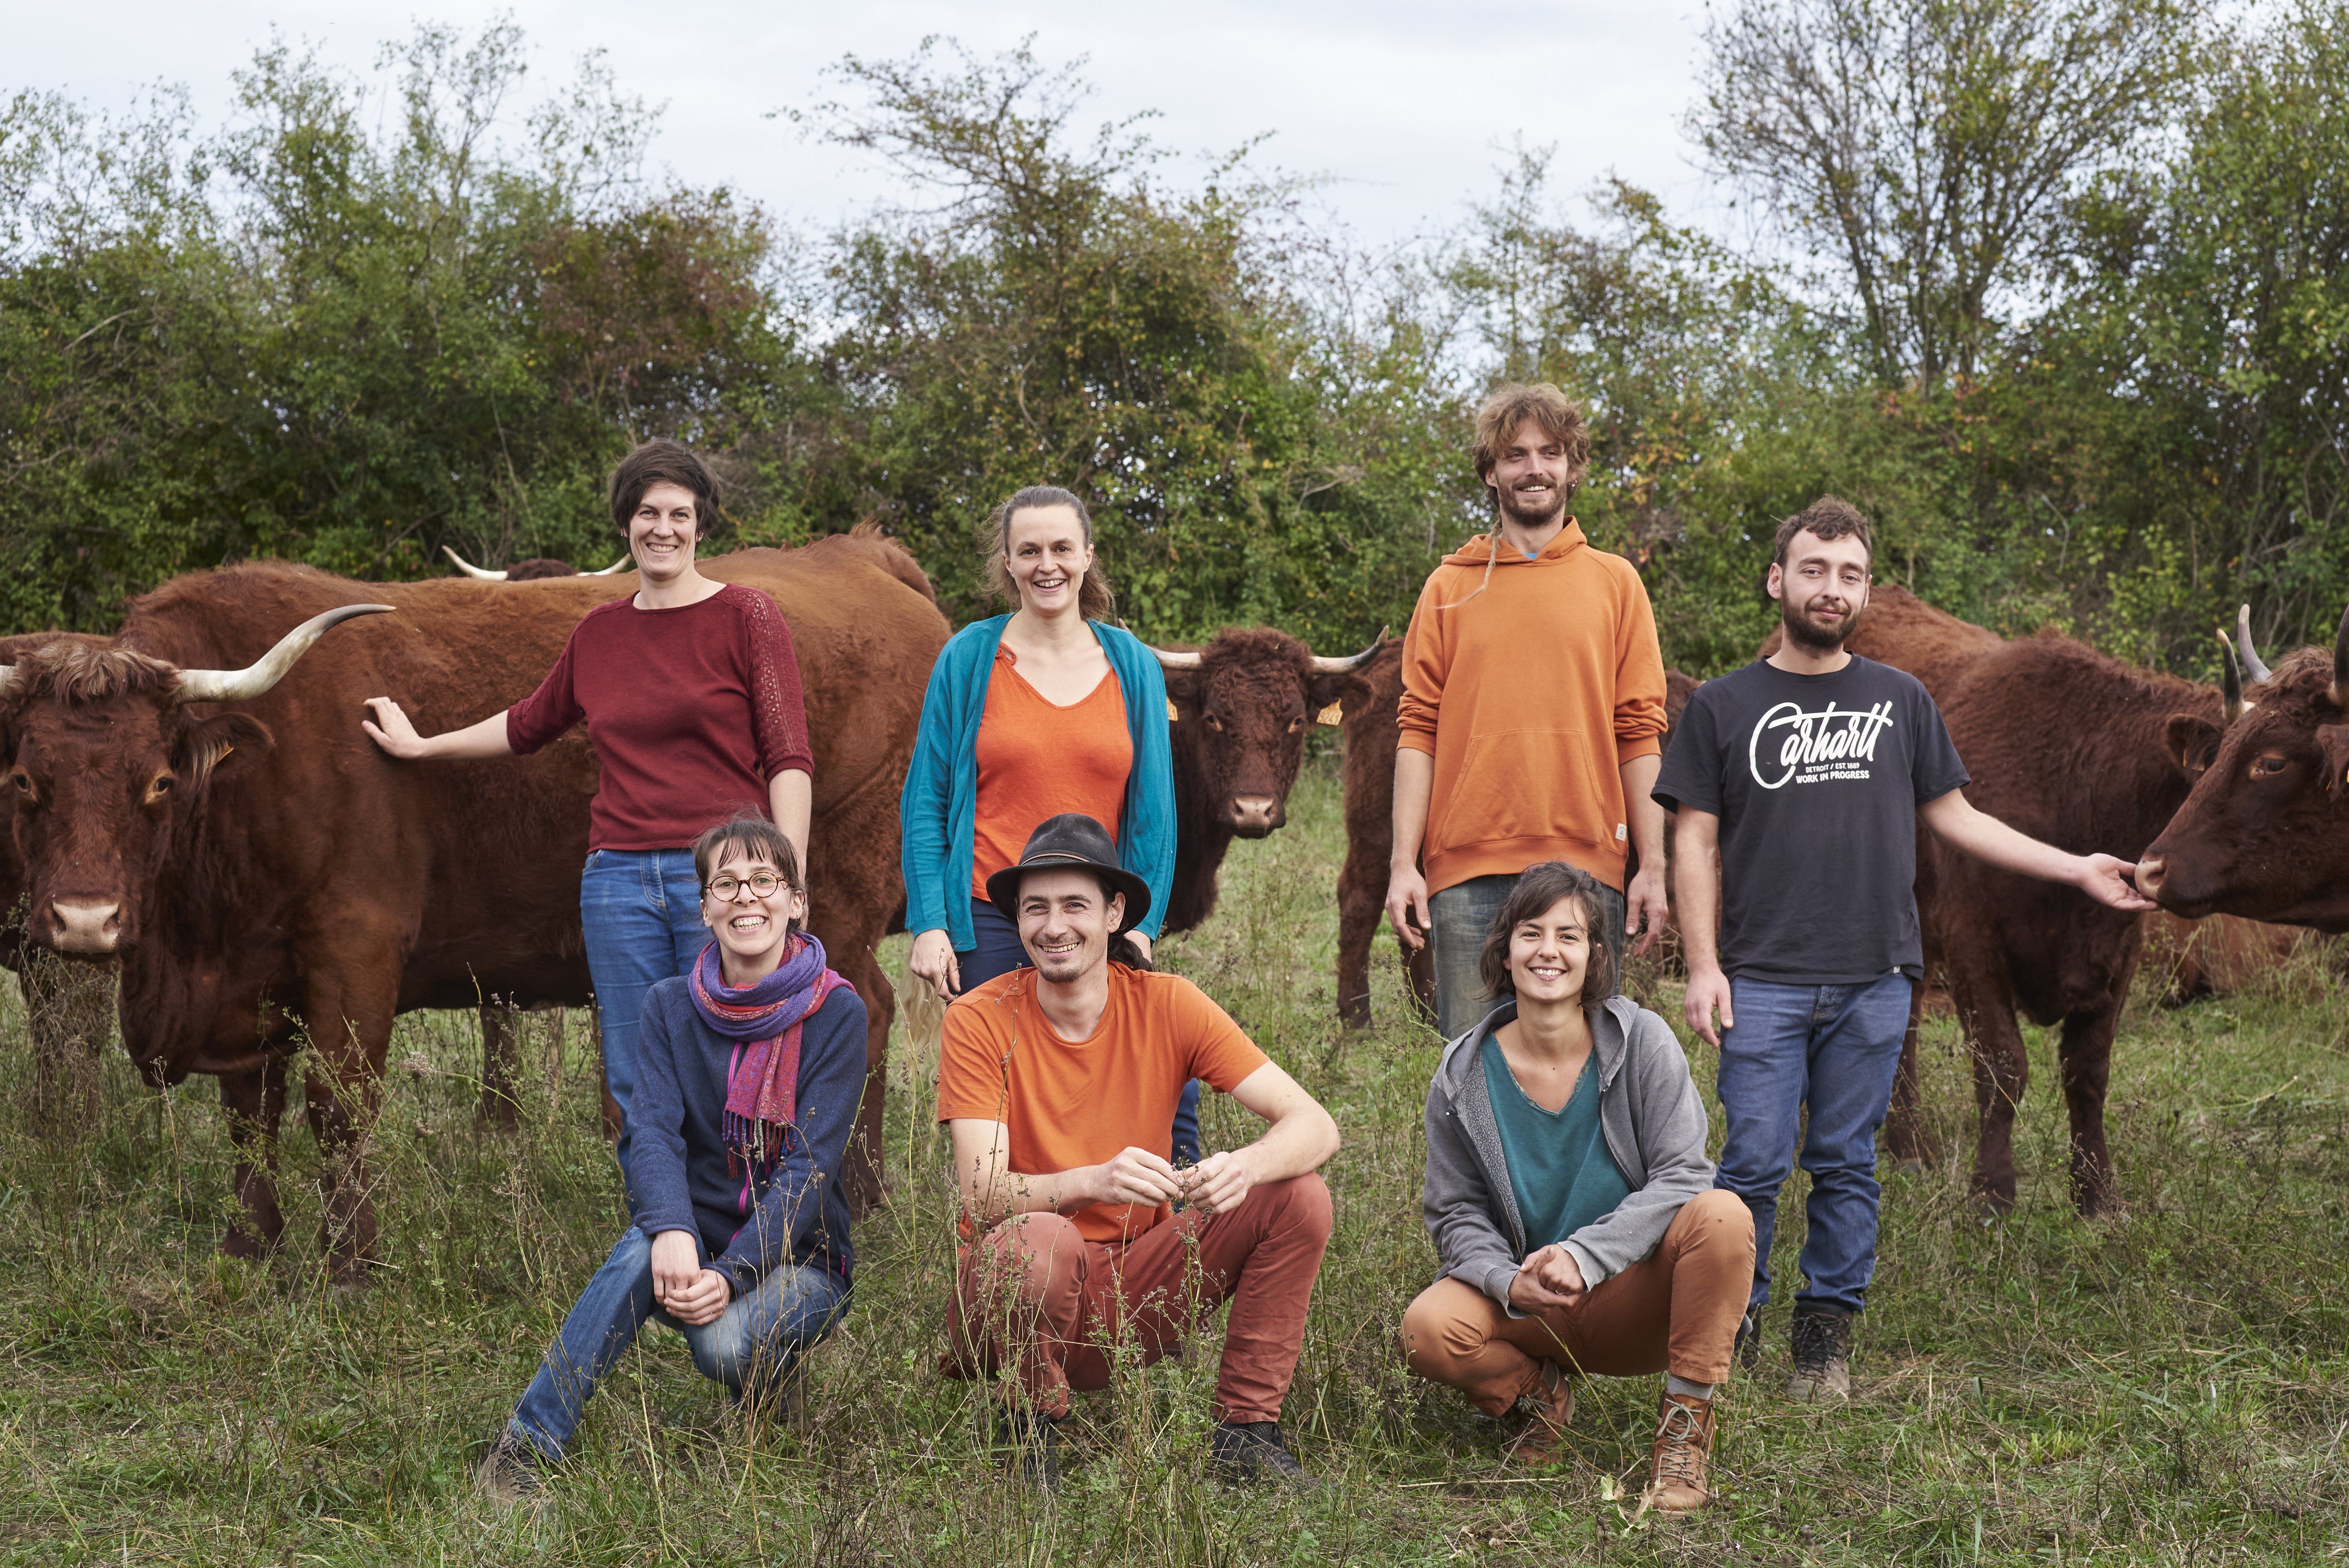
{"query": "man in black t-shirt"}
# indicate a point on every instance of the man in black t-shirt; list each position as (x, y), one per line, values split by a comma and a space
(1808, 771)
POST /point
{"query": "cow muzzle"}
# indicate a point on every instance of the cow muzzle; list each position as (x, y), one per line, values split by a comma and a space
(2150, 872)
(76, 926)
(1253, 815)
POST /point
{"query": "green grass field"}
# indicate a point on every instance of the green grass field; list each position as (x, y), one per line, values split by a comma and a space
(2173, 1387)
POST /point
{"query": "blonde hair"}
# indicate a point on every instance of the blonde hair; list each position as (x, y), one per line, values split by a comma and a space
(1095, 601)
(1545, 405)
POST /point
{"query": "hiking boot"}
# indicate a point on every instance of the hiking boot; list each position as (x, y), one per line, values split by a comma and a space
(1549, 1410)
(1250, 1453)
(1748, 1351)
(1682, 1455)
(1820, 1337)
(510, 1473)
(1035, 1451)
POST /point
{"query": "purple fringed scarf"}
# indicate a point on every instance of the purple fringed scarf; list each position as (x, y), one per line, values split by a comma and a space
(763, 1021)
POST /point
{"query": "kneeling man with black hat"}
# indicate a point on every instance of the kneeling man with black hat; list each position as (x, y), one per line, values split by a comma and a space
(1058, 1085)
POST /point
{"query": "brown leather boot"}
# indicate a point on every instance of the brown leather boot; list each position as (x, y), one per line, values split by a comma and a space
(1682, 1455)
(1549, 1406)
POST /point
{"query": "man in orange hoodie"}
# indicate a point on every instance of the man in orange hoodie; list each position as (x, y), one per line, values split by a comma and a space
(1533, 711)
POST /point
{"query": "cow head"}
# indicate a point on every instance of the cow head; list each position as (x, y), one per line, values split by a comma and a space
(537, 568)
(2265, 831)
(108, 773)
(1241, 707)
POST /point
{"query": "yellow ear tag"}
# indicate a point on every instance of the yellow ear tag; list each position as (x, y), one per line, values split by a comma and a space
(1171, 715)
(1329, 716)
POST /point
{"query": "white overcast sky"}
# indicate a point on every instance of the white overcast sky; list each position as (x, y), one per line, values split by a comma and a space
(1407, 105)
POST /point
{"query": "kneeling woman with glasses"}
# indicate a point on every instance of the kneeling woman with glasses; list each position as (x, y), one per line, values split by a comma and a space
(751, 1068)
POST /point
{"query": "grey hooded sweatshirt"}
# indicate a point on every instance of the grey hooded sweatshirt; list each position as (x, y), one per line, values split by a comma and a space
(1648, 1112)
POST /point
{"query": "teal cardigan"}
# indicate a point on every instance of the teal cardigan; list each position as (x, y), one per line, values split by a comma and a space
(940, 803)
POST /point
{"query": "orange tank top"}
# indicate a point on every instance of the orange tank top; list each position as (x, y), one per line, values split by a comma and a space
(1037, 759)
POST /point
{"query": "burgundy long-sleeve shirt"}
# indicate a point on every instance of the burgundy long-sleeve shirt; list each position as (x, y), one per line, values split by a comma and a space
(691, 711)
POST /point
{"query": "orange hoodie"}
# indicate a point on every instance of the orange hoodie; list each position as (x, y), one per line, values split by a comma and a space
(1529, 695)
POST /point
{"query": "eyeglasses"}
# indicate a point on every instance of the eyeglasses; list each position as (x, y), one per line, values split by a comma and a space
(729, 889)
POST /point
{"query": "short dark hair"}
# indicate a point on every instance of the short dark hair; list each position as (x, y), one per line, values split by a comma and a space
(662, 462)
(1557, 415)
(1829, 516)
(1539, 887)
(751, 835)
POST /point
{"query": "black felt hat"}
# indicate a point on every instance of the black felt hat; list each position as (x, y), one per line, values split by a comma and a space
(1068, 841)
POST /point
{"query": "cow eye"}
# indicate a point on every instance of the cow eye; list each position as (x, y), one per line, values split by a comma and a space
(23, 783)
(1214, 723)
(2266, 765)
(159, 787)
(1297, 724)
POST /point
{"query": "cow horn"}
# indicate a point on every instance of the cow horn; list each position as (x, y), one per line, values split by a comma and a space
(1352, 661)
(469, 569)
(2340, 692)
(2230, 683)
(239, 685)
(2253, 666)
(621, 564)
(1175, 661)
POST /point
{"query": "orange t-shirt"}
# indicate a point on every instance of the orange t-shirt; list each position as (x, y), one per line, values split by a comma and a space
(1037, 759)
(1068, 1103)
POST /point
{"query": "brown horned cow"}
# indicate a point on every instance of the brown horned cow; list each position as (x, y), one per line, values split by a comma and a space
(537, 568)
(1241, 707)
(2265, 829)
(265, 873)
(2064, 744)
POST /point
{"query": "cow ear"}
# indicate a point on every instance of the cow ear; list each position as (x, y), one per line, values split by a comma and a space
(1342, 688)
(1181, 693)
(221, 745)
(2333, 742)
(2193, 743)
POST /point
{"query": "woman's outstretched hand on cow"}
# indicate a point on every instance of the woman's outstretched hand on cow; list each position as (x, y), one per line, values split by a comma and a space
(391, 730)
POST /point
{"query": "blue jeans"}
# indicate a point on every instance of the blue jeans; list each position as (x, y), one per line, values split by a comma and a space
(997, 950)
(641, 912)
(1835, 1048)
(1462, 917)
(752, 1348)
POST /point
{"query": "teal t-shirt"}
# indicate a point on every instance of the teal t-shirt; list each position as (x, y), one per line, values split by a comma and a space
(1560, 1170)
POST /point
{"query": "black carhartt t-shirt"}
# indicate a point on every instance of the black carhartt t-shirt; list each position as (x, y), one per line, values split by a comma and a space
(1817, 780)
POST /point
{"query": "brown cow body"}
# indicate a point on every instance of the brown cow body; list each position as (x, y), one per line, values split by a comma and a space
(301, 881)
(2062, 743)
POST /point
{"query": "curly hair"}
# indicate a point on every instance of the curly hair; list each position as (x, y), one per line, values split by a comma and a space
(1557, 415)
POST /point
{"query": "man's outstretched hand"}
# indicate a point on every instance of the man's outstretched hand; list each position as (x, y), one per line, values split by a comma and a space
(2112, 880)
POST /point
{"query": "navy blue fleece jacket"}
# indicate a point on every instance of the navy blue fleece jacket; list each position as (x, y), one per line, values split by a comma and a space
(679, 1170)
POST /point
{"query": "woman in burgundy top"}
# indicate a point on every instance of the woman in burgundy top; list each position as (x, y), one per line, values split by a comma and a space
(690, 693)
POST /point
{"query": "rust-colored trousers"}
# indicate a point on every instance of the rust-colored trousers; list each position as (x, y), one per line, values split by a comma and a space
(1035, 1295)
(1674, 1311)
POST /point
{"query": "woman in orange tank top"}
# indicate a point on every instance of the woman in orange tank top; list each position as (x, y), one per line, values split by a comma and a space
(1046, 710)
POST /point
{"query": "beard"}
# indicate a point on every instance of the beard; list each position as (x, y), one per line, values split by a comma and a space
(1818, 639)
(1532, 514)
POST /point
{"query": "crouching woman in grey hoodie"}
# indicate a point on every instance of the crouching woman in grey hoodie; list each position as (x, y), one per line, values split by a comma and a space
(1571, 1200)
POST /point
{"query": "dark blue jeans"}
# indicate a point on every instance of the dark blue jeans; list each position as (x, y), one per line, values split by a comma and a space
(996, 950)
(752, 1347)
(1834, 1049)
(1461, 918)
(642, 912)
